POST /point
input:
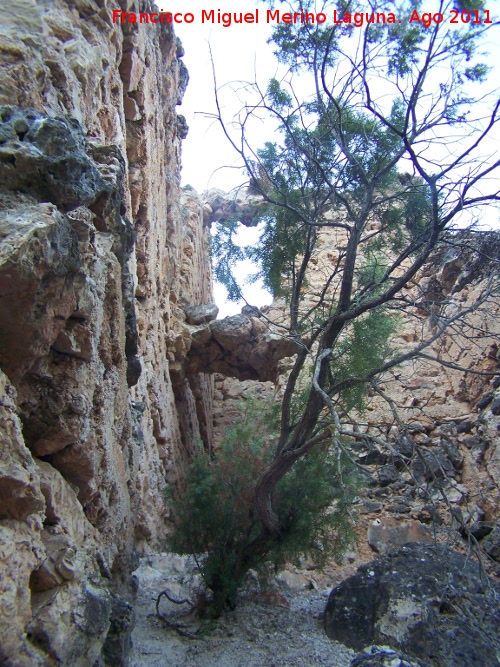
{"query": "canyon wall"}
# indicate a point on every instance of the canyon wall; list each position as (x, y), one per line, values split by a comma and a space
(107, 366)
(100, 252)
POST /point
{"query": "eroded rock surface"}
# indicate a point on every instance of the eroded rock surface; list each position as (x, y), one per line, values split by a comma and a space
(201, 314)
(242, 205)
(99, 252)
(47, 158)
(53, 589)
(387, 533)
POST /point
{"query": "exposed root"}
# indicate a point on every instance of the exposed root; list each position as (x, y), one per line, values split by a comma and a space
(175, 625)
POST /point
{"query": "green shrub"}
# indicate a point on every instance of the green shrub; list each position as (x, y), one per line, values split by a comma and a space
(214, 518)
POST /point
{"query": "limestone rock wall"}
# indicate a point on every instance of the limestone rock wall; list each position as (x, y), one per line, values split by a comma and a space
(99, 252)
(104, 394)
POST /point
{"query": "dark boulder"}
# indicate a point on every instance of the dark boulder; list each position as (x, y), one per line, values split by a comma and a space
(432, 465)
(465, 427)
(495, 407)
(47, 157)
(452, 454)
(404, 446)
(388, 474)
(478, 530)
(424, 599)
(485, 400)
(372, 457)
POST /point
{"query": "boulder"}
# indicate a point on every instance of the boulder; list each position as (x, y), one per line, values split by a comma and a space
(251, 311)
(491, 544)
(404, 446)
(431, 465)
(387, 533)
(478, 530)
(485, 400)
(201, 314)
(388, 474)
(373, 456)
(452, 454)
(424, 599)
(495, 407)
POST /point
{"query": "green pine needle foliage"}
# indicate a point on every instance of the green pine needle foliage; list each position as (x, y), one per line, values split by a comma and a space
(365, 347)
(214, 518)
(225, 255)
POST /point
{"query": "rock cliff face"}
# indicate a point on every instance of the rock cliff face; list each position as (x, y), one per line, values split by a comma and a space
(100, 251)
(107, 362)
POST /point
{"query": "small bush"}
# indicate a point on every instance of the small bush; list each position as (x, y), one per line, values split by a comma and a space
(214, 518)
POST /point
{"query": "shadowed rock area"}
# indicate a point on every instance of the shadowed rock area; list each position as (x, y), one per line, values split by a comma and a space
(47, 157)
(427, 600)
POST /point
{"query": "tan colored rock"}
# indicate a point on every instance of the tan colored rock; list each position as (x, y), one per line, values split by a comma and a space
(238, 346)
(84, 610)
(62, 507)
(21, 551)
(20, 495)
(92, 290)
(39, 260)
(386, 533)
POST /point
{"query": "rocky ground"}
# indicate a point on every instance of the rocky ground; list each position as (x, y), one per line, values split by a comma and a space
(421, 599)
(278, 627)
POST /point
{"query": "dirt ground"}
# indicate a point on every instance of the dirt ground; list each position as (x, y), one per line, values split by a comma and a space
(280, 626)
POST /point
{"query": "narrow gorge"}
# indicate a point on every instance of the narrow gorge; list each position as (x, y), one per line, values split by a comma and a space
(113, 365)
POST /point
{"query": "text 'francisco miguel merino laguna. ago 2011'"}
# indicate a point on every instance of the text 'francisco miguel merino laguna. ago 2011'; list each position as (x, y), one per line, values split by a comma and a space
(357, 19)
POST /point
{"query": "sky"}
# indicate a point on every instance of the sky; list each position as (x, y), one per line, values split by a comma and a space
(239, 52)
